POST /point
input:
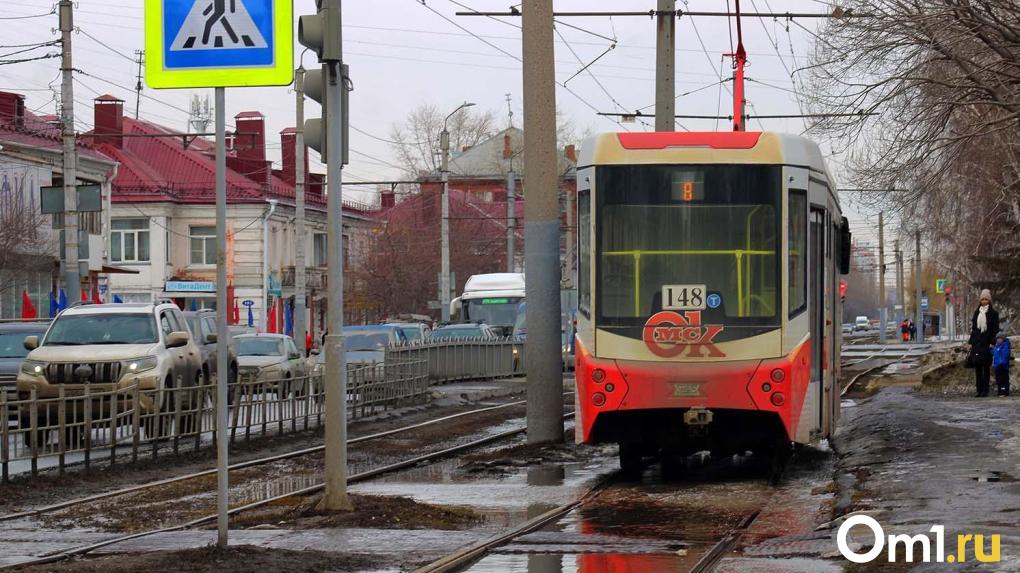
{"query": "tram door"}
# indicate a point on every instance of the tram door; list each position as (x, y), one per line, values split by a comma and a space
(816, 308)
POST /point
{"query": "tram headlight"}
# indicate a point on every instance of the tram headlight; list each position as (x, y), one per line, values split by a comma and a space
(610, 387)
(598, 375)
(778, 399)
(766, 387)
(599, 399)
(778, 375)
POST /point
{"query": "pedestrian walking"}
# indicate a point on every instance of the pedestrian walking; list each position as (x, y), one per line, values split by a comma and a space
(1001, 357)
(913, 331)
(984, 327)
(905, 330)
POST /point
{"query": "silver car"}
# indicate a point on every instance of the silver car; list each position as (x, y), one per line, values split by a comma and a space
(272, 359)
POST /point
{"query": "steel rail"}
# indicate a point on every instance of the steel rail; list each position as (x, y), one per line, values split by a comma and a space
(355, 478)
(464, 557)
(247, 464)
(710, 560)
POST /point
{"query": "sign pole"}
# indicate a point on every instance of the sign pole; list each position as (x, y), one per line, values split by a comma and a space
(222, 368)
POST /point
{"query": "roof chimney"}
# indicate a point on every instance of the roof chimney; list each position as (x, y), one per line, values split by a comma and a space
(109, 120)
(508, 148)
(288, 144)
(250, 147)
(12, 109)
(388, 198)
(571, 153)
(251, 135)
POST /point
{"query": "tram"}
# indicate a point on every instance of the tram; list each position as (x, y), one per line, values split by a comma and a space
(708, 293)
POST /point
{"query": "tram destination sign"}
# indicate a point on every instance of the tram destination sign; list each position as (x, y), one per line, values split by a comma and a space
(684, 297)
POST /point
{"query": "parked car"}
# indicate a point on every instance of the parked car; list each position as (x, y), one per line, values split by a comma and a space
(272, 359)
(463, 332)
(111, 346)
(364, 346)
(13, 351)
(413, 331)
(848, 328)
(202, 324)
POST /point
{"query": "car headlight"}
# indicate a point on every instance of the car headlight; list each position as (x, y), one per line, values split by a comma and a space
(141, 364)
(33, 367)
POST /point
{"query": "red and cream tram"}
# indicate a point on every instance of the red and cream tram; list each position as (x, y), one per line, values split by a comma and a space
(708, 305)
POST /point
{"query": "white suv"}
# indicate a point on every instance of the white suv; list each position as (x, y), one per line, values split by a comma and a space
(110, 346)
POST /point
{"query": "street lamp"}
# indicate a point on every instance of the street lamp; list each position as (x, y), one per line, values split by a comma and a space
(444, 275)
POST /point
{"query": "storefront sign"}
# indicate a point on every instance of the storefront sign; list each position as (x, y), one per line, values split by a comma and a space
(189, 286)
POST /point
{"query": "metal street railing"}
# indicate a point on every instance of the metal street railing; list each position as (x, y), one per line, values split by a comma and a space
(78, 424)
(452, 360)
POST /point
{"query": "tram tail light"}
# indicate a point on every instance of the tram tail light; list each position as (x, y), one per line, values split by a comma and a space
(778, 399)
(598, 375)
(599, 399)
(778, 375)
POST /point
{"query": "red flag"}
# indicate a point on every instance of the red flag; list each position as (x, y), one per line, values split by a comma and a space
(235, 315)
(27, 308)
(84, 295)
(95, 296)
(271, 319)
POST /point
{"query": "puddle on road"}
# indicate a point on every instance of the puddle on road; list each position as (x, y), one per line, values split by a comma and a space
(994, 477)
(584, 563)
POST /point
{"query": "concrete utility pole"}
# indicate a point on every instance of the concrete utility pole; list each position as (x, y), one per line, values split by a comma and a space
(882, 307)
(140, 54)
(72, 280)
(919, 322)
(665, 66)
(542, 228)
(222, 349)
(444, 224)
(299, 215)
(511, 218)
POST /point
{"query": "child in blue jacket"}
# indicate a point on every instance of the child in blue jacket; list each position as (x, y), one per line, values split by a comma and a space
(1000, 363)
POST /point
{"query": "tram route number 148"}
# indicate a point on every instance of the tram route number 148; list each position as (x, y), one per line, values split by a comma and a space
(683, 297)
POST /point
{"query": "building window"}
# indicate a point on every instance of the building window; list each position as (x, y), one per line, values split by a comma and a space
(203, 245)
(319, 249)
(129, 241)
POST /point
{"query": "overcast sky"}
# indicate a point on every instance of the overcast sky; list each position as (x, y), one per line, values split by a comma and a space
(402, 54)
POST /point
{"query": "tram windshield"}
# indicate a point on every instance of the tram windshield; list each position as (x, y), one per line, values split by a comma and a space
(716, 226)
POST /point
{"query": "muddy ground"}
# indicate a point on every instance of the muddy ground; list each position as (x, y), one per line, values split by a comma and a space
(241, 559)
(914, 458)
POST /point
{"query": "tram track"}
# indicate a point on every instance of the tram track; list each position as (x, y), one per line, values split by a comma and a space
(36, 512)
(352, 479)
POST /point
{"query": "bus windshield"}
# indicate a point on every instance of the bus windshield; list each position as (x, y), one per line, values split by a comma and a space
(711, 225)
(497, 311)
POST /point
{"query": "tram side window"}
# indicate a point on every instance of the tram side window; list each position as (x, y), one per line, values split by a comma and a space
(797, 231)
(584, 251)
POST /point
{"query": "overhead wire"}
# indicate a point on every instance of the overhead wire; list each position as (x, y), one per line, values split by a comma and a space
(105, 45)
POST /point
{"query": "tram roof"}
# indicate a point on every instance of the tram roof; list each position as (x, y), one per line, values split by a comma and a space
(687, 147)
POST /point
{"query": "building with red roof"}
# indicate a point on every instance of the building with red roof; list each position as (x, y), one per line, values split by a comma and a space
(162, 220)
(31, 157)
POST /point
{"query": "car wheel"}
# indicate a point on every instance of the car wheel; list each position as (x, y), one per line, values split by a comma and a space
(158, 423)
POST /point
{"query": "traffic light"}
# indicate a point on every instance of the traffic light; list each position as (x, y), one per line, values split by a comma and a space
(322, 33)
(315, 129)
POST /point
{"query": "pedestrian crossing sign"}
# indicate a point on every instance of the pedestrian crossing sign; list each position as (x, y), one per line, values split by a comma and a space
(219, 43)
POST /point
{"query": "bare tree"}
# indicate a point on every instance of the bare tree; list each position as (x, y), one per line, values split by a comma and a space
(417, 138)
(935, 85)
(25, 240)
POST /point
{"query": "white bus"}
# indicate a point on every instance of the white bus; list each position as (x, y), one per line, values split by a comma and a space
(492, 298)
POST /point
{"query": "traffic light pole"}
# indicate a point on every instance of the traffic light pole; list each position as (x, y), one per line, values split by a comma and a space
(335, 497)
(300, 320)
(222, 368)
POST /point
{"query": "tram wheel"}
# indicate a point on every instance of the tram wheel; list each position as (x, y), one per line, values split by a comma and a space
(630, 458)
